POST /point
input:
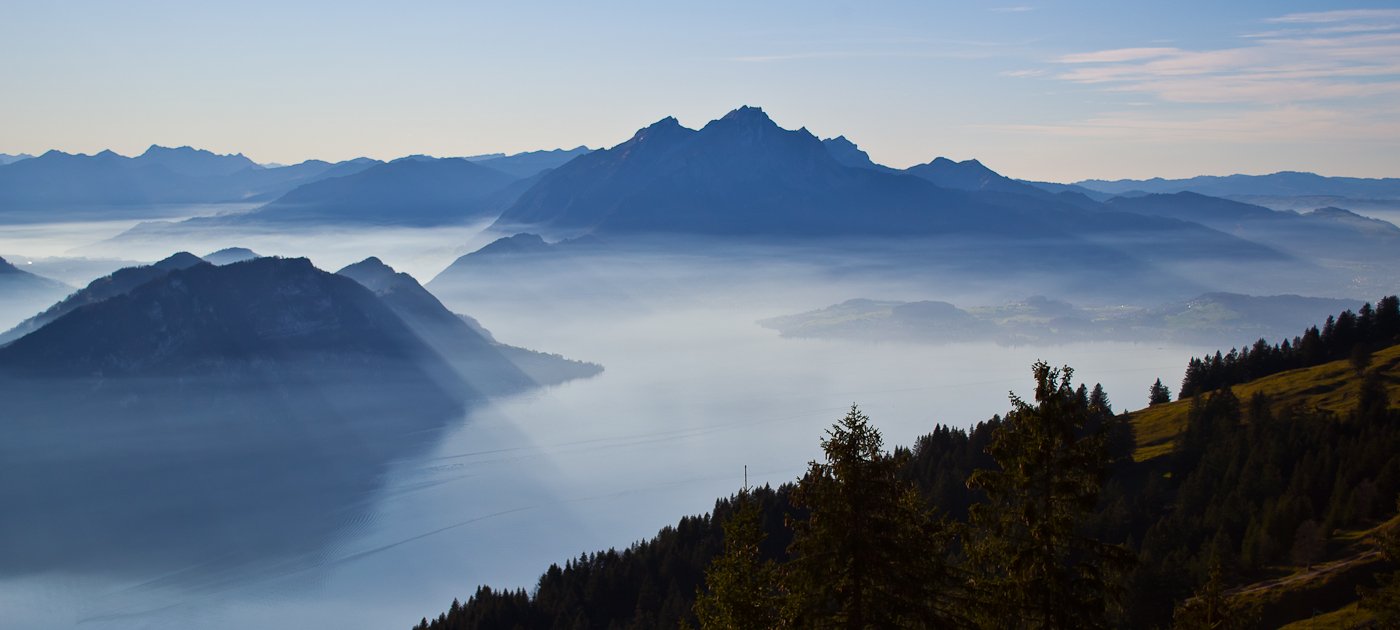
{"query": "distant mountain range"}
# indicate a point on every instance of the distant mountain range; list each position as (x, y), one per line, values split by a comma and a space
(6, 158)
(59, 186)
(742, 175)
(1286, 183)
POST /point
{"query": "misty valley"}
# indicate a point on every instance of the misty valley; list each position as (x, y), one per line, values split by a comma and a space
(614, 388)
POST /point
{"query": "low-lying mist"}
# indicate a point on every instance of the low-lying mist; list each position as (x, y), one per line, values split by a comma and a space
(693, 390)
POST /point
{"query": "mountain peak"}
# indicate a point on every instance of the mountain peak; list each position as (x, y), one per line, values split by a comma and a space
(178, 260)
(668, 122)
(371, 272)
(156, 149)
(230, 255)
(666, 125)
(748, 113)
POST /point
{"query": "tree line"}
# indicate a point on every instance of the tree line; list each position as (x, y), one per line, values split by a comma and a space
(1341, 337)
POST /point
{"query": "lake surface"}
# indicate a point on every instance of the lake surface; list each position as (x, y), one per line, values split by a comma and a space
(691, 394)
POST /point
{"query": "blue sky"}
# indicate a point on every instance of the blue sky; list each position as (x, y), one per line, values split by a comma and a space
(1048, 90)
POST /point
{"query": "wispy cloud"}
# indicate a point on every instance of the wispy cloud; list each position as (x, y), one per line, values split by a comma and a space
(1012, 9)
(847, 54)
(1357, 55)
(1328, 17)
(1328, 74)
(1118, 54)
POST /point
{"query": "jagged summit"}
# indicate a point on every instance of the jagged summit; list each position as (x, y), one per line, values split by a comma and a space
(659, 131)
(157, 149)
(752, 122)
(747, 113)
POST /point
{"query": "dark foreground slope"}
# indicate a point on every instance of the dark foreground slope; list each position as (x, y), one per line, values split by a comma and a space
(213, 418)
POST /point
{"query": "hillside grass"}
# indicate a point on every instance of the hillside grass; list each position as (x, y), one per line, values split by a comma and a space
(1330, 386)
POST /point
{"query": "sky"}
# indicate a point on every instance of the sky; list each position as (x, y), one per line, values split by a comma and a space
(1056, 91)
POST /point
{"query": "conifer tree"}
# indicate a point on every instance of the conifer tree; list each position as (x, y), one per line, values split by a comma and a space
(742, 586)
(868, 555)
(1034, 567)
(1158, 394)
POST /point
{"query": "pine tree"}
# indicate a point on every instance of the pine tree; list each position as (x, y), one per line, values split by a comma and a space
(742, 587)
(869, 554)
(1035, 568)
(1158, 394)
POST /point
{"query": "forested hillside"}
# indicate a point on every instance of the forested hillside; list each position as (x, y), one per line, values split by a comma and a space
(1256, 503)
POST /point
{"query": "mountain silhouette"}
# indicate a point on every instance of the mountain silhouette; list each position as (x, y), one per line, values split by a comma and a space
(249, 409)
(744, 176)
(58, 185)
(410, 191)
(229, 255)
(970, 175)
(1284, 183)
(196, 162)
(740, 174)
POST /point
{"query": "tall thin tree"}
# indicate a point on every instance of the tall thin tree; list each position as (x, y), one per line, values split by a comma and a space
(1034, 566)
